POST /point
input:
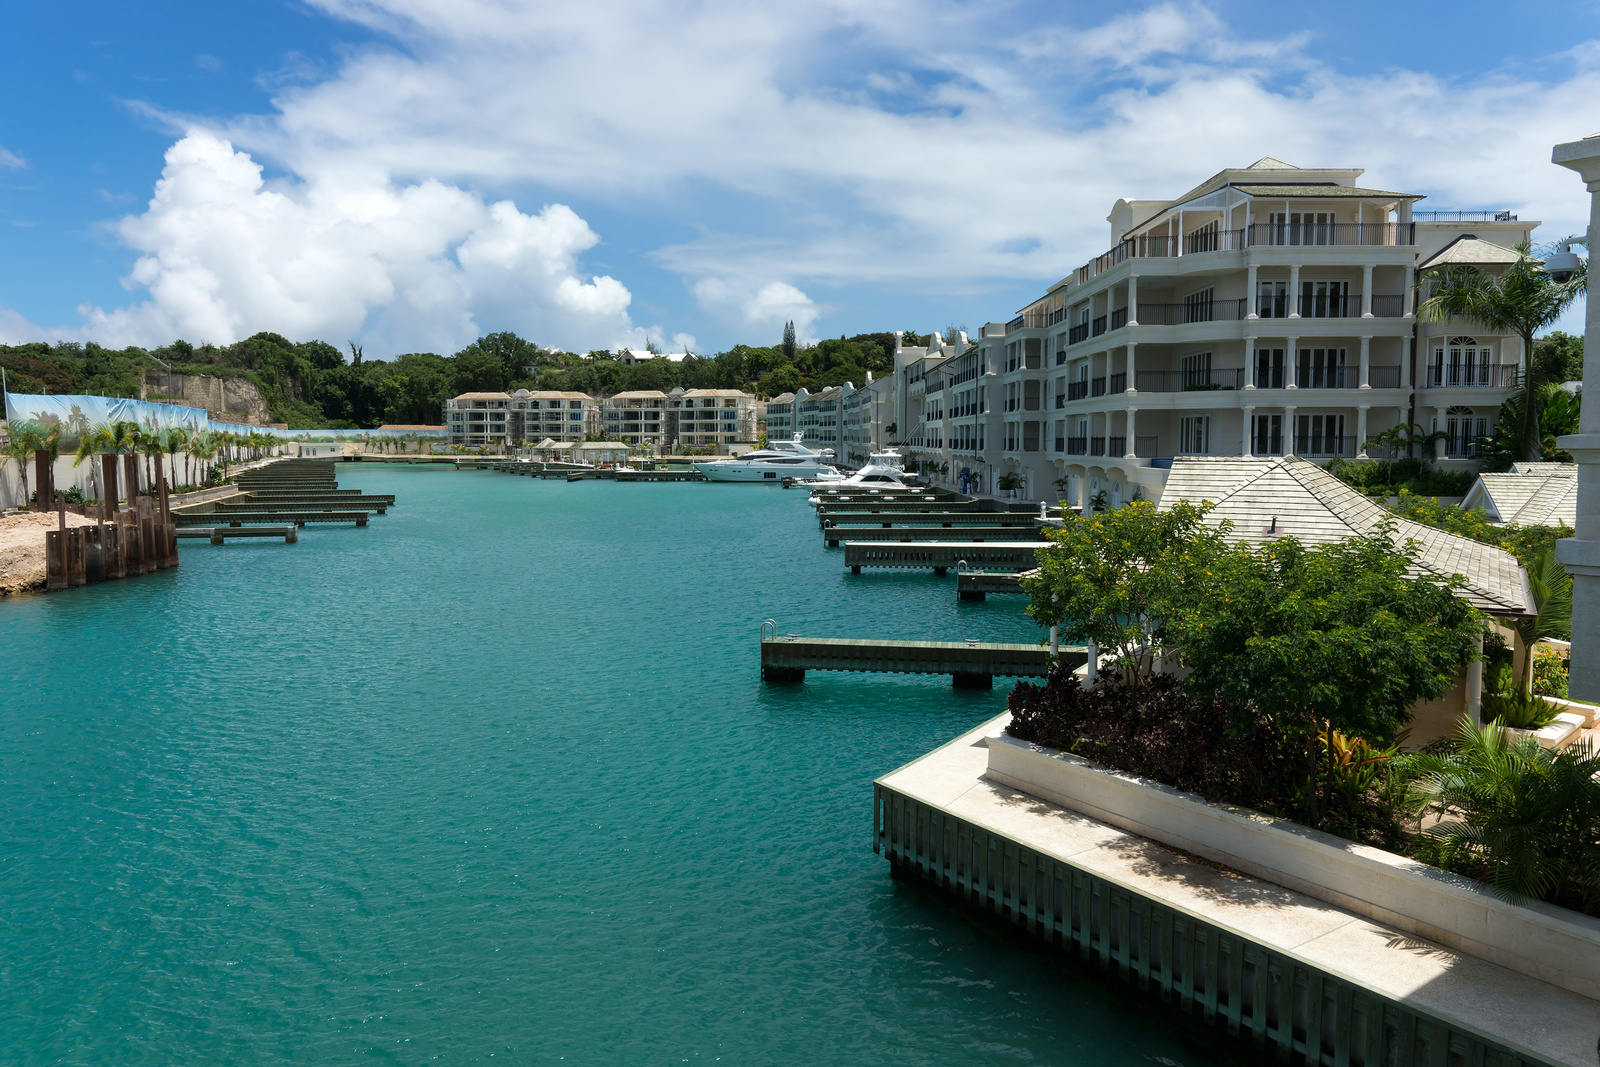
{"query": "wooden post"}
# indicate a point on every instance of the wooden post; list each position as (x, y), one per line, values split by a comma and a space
(55, 560)
(44, 480)
(130, 472)
(108, 475)
(94, 553)
(77, 569)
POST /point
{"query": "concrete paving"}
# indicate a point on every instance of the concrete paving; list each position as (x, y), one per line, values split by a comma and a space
(1546, 1020)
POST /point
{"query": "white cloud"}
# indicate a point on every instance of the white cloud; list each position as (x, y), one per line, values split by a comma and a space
(349, 253)
(761, 309)
(11, 161)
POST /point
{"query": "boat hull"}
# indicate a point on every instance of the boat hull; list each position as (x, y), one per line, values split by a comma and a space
(773, 475)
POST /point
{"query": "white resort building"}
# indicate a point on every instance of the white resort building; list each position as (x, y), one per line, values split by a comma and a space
(694, 418)
(1269, 311)
(500, 420)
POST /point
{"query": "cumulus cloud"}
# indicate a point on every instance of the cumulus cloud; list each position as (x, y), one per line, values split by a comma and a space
(345, 253)
(762, 309)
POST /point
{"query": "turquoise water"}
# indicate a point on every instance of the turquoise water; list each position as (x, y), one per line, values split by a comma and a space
(495, 777)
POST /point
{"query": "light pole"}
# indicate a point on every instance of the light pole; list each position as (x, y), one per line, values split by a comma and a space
(1581, 554)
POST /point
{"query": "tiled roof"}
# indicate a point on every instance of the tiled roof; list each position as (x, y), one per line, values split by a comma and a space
(1470, 250)
(484, 396)
(1266, 499)
(782, 398)
(553, 394)
(1532, 494)
(717, 392)
(640, 394)
(1321, 191)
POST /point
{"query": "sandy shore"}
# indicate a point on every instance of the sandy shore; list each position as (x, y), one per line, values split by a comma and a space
(22, 549)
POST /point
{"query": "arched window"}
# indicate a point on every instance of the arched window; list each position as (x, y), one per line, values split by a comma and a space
(1463, 431)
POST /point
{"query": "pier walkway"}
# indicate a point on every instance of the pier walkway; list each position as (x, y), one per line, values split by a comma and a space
(942, 555)
(1272, 966)
(977, 585)
(834, 535)
(971, 664)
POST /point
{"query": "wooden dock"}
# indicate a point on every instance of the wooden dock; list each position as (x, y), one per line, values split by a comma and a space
(970, 664)
(834, 535)
(897, 507)
(218, 534)
(942, 555)
(888, 519)
(977, 585)
(690, 475)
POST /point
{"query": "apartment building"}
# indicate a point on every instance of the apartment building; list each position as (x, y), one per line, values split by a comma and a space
(820, 416)
(712, 418)
(1268, 311)
(500, 420)
(865, 419)
(637, 417)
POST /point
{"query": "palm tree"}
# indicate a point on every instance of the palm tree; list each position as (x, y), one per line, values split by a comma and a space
(45, 447)
(1552, 599)
(1522, 300)
(16, 450)
(174, 440)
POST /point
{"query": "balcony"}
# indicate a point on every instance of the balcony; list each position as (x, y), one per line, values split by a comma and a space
(1384, 377)
(1308, 376)
(1312, 234)
(1117, 446)
(1078, 333)
(1119, 318)
(1098, 326)
(1194, 311)
(1119, 383)
(1186, 381)
(1097, 386)
(1147, 447)
(1077, 390)
(1077, 446)
(1324, 446)
(1472, 376)
(1097, 446)
(1464, 216)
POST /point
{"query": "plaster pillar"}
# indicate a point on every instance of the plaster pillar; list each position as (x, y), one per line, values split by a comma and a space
(1366, 362)
(1132, 453)
(1291, 363)
(1131, 388)
(1133, 303)
(1438, 446)
(1250, 362)
(1361, 432)
(1081, 481)
(1250, 305)
(1366, 291)
(1581, 554)
(1475, 686)
(1411, 291)
(1288, 430)
(1294, 292)
(1247, 443)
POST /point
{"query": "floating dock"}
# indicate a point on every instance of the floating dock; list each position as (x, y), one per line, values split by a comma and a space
(218, 534)
(887, 519)
(942, 555)
(1270, 967)
(977, 585)
(971, 664)
(834, 535)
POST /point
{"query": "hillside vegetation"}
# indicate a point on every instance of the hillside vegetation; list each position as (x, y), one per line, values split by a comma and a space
(312, 384)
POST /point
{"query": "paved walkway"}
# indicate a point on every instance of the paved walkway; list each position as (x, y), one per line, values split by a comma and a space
(1521, 1011)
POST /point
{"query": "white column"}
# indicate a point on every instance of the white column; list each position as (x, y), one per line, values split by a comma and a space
(1131, 378)
(1294, 291)
(1411, 291)
(1366, 362)
(1250, 362)
(1288, 430)
(1131, 453)
(1247, 443)
(1366, 291)
(1291, 360)
(1361, 432)
(1081, 481)
(1581, 554)
(1474, 686)
(1250, 293)
(1438, 446)
(1133, 300)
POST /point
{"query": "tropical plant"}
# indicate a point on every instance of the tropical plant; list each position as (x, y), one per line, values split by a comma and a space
(1518, 709)
(1520, 817)
(1551, 586)
(1398, 441)
(1522, 299)
(1549, 672)
(35, 440)
(16, 449)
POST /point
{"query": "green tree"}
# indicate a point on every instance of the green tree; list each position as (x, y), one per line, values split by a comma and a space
(1551, 587)
(1111, 578)
(790, 345)
(1339, 636)
(1523, 300)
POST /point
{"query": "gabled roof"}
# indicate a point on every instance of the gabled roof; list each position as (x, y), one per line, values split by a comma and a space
(781, 398)
(640, 394)
(1530, 494)
(1266, 499)
(1470, 250)
(483, 396)
(1268, 163)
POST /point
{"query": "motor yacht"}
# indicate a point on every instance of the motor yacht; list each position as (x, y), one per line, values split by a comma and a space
(783, 459)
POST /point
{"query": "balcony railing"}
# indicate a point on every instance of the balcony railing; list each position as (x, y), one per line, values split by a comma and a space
(1098, 326)
(1078, 333)
(1119, 318)
(1097, 386)
(1077, 390)
(1472, 376)
(1147, 447)
(1194, 311)
(1097, 446)
(1324, 446)
(1383, 377)
(1308, 376)
(1183, 381)
(1155, 246)
(1116, 446)
(1061, 400)
(1388, 307)
(1077, 446)
(1464, 216)
(1061, 444)
(1119, 383)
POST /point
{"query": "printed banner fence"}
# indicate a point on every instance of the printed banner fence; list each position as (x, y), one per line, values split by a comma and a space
(79, 416)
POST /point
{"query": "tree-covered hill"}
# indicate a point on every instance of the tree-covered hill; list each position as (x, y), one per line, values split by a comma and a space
(311, 384)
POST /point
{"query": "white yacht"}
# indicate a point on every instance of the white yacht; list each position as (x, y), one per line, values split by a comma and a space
(883, 470)
(783, 459)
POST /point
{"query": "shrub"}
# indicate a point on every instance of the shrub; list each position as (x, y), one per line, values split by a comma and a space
(1518, 710)
(1549, 672)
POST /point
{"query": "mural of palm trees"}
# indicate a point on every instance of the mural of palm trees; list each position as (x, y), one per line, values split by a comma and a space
(16, 450)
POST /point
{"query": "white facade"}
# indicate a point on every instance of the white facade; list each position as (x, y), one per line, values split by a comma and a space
(500, 420)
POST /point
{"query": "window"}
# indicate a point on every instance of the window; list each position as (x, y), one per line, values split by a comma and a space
(1194, 435)
(1461, 362)
(1324, 300)
(1321, 368)
(1206, 238)
(1196, 371)
(1272, 299)
(1266, 432)
(1269, 368)
(1197, 307)
(1301, 228)
(1463, 430)
(1319, 435)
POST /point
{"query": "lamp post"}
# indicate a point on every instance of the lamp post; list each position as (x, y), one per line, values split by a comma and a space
(1581, 554)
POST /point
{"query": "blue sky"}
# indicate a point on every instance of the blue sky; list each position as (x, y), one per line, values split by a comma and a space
(409, 173)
